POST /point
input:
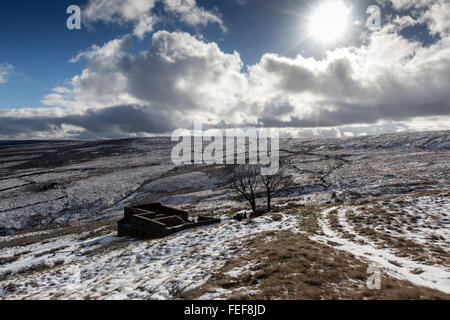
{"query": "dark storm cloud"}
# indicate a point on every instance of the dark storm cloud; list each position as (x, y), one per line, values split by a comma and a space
(122, 119)
(297, 77)
(113, 121)
(347, 114)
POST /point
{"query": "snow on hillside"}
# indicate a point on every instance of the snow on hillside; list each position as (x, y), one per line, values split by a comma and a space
(138, 270)
(383, 198)
(60, 182)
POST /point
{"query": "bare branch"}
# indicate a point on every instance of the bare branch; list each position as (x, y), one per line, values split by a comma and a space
(276, 184)
(245, 179)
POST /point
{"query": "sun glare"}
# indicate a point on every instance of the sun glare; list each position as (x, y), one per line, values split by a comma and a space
(329, 21)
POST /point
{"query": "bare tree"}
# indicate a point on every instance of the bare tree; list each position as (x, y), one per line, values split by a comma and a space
(246, 181)
(276, 184)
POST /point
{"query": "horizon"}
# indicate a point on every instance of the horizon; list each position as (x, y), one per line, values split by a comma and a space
(192, 136)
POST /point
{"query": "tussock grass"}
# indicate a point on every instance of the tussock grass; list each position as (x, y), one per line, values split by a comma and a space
(309, 223)
(291, 266)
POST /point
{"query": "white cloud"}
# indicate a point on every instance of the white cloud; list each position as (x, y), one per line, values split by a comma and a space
(189, 12)
(100, 84)
(144, 25)
(408, 4)
(5, 72)
(117, 10)
(434, 13)
(179, 79)
(388, 78)
(140, 13)
(403, 22)
(438, 17)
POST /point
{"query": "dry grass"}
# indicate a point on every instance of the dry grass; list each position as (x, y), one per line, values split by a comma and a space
(7, 260)
(276, 216)
(335, 225)
(309, 223)
(291, 266)
(49, 252)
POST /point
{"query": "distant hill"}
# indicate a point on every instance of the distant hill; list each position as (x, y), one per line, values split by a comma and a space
(14, 143)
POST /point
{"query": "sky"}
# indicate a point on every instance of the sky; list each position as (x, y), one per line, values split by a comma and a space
(140, 68)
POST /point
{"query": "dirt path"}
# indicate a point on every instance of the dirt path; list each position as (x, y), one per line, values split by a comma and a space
(435, 277)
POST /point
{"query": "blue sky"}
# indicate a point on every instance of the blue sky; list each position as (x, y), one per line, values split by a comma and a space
(36, 48)
(35, 40)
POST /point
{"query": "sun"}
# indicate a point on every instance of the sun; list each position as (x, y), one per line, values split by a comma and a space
(329, 21)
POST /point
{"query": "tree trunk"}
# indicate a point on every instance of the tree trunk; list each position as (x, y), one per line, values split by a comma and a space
(253, 206)
(269, 203)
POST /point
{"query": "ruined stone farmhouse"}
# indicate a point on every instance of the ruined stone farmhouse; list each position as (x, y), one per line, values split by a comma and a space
(152, 221)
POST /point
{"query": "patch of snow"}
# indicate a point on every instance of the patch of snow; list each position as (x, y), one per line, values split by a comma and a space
(433, 276)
